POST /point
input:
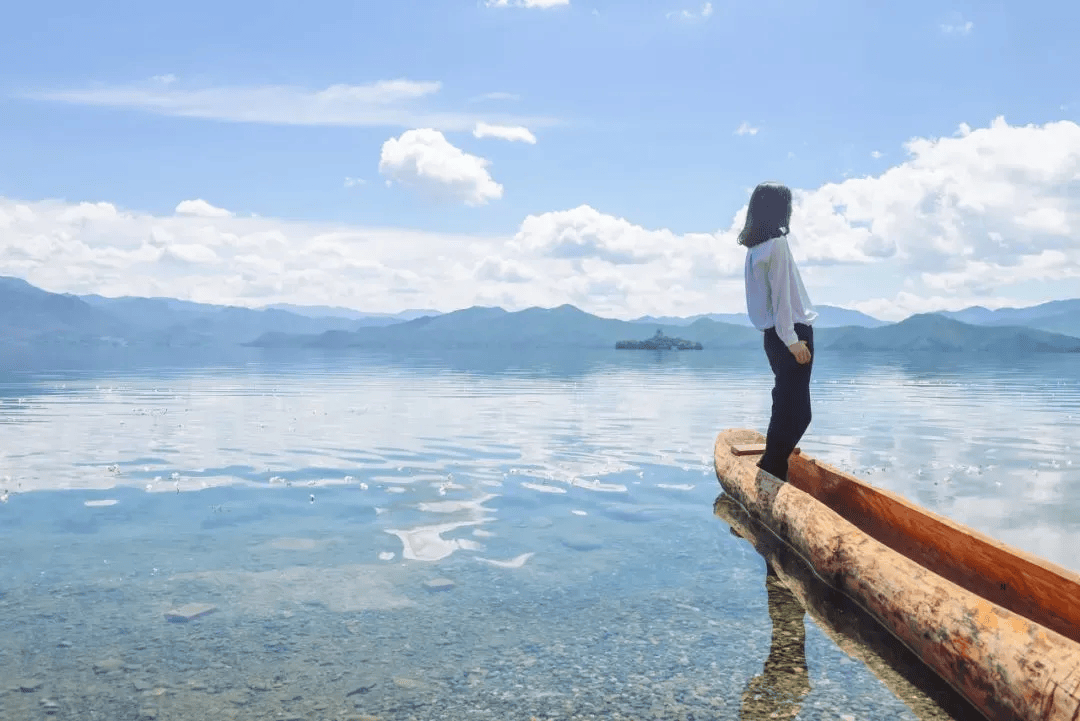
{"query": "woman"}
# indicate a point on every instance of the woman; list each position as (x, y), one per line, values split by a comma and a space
(778, 305)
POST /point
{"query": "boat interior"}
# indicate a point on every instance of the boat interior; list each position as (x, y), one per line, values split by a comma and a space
(1029, 586)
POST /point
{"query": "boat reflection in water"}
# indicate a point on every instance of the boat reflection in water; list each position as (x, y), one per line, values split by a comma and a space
(793, 591)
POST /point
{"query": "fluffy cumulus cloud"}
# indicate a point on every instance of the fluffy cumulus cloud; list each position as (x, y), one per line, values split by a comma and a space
(615, 267)
(963, 220)
(425, 160)
(504, 132)
(587, 233)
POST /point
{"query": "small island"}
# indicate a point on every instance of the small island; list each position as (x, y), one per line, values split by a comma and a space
(658, 342)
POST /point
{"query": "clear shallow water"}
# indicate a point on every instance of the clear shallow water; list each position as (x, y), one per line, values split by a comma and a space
(568, 499)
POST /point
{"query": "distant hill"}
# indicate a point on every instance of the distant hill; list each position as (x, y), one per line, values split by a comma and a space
(167, 321)
(1057, 316)
(829, 316)
(185, 322)
(673, 320)
(365, 319)
(30, 315)
(935, 332)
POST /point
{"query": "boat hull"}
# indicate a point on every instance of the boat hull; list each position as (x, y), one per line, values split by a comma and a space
(1005, 664)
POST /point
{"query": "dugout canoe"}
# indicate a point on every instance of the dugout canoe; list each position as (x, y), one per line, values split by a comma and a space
(999, 625)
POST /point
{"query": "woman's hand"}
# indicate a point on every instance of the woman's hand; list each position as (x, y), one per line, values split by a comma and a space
(800, 351)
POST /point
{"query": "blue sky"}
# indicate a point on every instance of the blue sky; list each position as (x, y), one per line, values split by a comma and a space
(635, 109)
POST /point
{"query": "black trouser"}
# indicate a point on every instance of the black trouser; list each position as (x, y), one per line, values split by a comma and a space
(790, 400)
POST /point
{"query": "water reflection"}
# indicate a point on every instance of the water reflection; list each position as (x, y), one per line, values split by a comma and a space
(783, 683)
(793, 591)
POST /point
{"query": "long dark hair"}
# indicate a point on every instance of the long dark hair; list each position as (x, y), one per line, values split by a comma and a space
(768, 214)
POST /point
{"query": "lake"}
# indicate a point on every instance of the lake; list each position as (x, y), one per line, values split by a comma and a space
(469, 535)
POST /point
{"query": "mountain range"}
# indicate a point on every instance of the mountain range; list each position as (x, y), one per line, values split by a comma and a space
(365, 319)
(829, 316)
(32, 318)
(568, 327)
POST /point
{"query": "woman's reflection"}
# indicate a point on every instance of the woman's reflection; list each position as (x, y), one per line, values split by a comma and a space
(778, 691)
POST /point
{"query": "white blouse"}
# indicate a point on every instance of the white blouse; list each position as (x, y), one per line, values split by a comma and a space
(775, 295)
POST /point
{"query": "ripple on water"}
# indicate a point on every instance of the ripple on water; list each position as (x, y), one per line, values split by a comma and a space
(516, 562)
(542, 487)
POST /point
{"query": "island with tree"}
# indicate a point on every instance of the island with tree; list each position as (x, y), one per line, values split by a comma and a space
(658, 342)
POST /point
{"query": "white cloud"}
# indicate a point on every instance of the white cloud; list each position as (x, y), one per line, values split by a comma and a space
(353, 182)
(960, 27)
(501, 270)
(504, 132)
(191, 253)
(425, 160)
(986, 217)
(84, 212)
(1046, 219)
(972, 214)
(704, 13)
(592, 243)
(875, 154)
(526, 3)
(587, 233)
(982, 278)
(746, 129)
(387, 103)
(200, 208)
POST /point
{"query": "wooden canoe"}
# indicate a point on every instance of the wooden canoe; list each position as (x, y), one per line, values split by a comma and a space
(999, 625)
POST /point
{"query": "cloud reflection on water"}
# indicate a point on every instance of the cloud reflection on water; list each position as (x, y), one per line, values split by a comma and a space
(566, 426)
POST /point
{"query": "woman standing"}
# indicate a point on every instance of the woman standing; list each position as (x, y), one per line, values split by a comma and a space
(777, 304)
